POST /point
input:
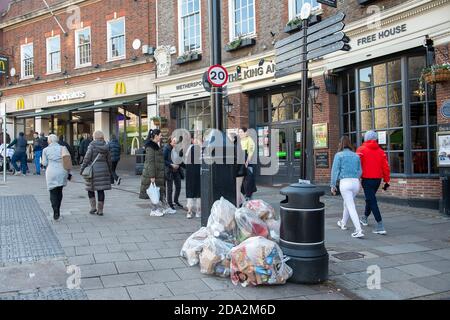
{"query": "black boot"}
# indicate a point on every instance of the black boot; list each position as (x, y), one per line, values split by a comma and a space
(56, 214)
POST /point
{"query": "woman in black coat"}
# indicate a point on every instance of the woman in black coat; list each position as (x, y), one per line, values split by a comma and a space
(193, 187)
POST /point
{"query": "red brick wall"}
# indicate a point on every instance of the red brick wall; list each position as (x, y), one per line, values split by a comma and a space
(239, 116)
(415, 188)
(139, 24)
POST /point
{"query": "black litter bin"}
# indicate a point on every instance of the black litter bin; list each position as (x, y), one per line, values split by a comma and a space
(217, 172)
(445, 201)
(140, 159)
(302, 233)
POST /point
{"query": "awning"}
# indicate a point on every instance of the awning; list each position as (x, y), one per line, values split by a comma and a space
(50, 111)
(112, 103)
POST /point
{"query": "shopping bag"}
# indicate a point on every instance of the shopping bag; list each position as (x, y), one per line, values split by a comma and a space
(153, 193)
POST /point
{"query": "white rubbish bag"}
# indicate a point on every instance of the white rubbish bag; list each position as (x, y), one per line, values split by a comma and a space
(153, 193)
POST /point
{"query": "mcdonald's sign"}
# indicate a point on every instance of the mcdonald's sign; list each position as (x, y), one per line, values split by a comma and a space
(20, 104)
(120, 88)
(3, 65)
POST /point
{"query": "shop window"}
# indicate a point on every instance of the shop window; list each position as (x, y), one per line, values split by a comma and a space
(242, 13)
(195, 116)
(83, 47)
(27, 61)
(53, 54)
(285, 106)
(382, 108)
(189, 25)
(116, 39)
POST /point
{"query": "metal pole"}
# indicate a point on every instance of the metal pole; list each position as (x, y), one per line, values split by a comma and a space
(304, 95)
(4, 149)
(216, 58)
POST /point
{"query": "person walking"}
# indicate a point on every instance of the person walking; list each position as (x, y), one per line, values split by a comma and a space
(246, 182)
(154, 172)
(346, 171)
(173, 175)
(375, 167)
(84, 146)
(114, 148)
(193, 167)
(63, 143)
(99, 157)
(44, 141)
(56, 175)
(37, 150)
(20, 154)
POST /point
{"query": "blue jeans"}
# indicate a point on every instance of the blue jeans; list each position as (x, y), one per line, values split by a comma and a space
(371, 187)
(22, 157)
(37, 161)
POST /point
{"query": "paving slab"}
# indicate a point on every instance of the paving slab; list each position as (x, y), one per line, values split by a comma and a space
(133, 266)
(433, 283)
(182, 287)
(147, 292)
(121, 280)
(407, 289)
(159, 276)
(108, 294)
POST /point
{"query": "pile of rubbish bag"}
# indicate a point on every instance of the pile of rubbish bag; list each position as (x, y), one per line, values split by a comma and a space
(240, 244)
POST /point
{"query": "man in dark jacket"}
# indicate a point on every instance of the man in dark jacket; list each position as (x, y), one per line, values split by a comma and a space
(84, 146)
(114, 149)
(37, 150)
(44, 141)
(173, 175)
(63, 143)
(20, 154)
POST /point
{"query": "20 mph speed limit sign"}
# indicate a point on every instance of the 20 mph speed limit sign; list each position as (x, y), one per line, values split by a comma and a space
(217, 75)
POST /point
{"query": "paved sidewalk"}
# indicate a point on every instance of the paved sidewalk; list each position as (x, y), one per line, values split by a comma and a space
(127, 254)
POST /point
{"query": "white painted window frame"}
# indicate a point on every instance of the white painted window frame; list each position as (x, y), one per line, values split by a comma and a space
(109, 44)
(22, 65)
(231, 9)
(47, 50)
(181, 30)
(293, 15)
(77, 52)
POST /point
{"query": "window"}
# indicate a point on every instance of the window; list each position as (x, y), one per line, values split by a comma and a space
(189, 25)
(295, 7)
(116, 39)
(242, 13)
(83, 47)
(378, 97)
(195, 116)
(53, 54)
(27, 61)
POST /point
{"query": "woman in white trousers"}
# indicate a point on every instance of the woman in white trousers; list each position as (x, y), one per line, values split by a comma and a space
(347, 170)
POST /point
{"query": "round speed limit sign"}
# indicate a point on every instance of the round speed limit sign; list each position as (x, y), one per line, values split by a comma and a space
(217, 75)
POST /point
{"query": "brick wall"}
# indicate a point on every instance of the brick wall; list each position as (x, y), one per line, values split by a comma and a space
(415, 188)
(139, 24)
(239, 116)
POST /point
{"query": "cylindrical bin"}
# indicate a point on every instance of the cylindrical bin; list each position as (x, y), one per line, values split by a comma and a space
(140, 160)
(302, 233)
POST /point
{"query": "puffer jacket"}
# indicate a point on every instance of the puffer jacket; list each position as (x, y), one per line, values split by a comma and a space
(153, 168)
(101, 173)
(114, 148)
(374, 162)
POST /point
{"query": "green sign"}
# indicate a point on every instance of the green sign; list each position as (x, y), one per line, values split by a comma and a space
(3, 65)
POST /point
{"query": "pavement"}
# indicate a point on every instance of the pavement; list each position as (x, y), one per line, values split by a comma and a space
(126, 254)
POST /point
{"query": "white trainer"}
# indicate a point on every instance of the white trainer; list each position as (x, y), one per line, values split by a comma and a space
(189, 215)
(198, 215)
(341, 225)
(170, 211)
(358, 234)
(156, 213)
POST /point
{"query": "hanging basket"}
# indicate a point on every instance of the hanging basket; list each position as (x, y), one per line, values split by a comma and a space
(441, 75)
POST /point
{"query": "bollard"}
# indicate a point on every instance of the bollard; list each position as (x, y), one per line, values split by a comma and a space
(302, 233)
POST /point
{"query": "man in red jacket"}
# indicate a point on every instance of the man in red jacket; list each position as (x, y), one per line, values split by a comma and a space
(375, 167)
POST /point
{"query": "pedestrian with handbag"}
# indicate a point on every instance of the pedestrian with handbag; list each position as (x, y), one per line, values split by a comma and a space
(193, 186)
(96, 171)
(58, 163)
(240, 170)
(345, 175)
(173, 173)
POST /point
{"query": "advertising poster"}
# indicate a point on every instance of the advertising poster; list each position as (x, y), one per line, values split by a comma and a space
(443, 143)
(320, 135)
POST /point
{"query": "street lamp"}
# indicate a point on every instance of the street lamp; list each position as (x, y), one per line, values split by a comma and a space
(314, 95)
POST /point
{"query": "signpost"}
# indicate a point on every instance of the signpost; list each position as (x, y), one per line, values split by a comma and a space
(292, 56)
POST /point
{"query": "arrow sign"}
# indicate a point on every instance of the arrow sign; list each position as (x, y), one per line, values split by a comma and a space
(331, 3)
(326, 23)
(326, 32)
(340, 45)
(328, 40)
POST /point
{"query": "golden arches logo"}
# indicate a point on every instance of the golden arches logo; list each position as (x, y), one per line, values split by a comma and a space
(20, 104)
(120, 88)
(2, 65)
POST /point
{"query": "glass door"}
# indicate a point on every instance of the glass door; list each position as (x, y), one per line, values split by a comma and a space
(288, 154)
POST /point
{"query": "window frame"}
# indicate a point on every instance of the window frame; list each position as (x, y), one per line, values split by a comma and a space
(22, 65)
(48, 53)
(109, 43)
(181, 29)
(292, 13)
(77, 45)
(232, 24)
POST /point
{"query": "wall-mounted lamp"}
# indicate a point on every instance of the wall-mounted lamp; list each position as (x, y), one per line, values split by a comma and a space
(97, 66)
(228, 106)
(37, 78)
(314, 95)
(262, 61)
